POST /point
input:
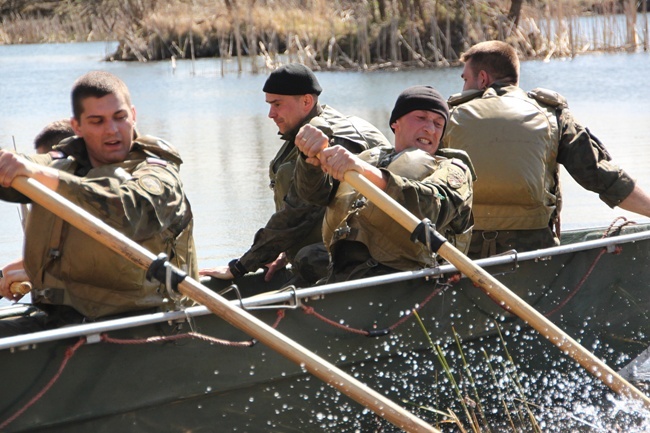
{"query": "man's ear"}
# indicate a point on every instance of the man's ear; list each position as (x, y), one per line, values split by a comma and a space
(308, 101)
(75, 125)
(484, 79)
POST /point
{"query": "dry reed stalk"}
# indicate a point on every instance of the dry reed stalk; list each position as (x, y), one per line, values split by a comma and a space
(325, 34)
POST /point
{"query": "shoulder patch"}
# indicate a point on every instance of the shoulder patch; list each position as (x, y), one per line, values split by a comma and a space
(156, 161)
(151, 184)
(455, 176)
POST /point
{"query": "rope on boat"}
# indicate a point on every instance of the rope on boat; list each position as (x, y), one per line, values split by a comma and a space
(617, 250)
(70, 351)
(381, 332)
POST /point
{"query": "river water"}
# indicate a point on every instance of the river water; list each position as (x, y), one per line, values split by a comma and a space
(219, 123)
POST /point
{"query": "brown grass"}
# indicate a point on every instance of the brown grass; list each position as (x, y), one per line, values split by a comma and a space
(323, 33)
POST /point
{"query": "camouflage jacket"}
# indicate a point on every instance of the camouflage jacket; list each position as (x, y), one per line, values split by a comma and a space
(438, 188)
(141, 197)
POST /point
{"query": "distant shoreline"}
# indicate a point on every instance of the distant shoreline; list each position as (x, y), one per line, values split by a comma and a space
(400, 34)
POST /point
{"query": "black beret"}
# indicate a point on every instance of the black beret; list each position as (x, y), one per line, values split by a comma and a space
(419, 98)
(292, 79)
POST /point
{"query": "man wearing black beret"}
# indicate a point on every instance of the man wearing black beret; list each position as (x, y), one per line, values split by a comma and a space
(292, 93)
(430, 182)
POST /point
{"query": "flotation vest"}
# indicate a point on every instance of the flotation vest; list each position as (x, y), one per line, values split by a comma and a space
(512, 138)
(67, 267)
(341, 129)
(350, 216)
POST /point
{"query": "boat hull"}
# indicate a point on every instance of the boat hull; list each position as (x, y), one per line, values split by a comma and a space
(190, 384)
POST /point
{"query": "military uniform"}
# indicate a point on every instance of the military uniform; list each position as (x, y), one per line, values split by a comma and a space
(297, 223)
(141, 197)
(362, 240)
(516, 140)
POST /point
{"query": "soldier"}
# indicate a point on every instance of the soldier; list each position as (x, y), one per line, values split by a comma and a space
(131, 182)
(292, 93)
(52, 134)
(516, 140)
(431, 183)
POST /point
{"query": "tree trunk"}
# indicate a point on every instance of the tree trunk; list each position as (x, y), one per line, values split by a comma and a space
(515, 11)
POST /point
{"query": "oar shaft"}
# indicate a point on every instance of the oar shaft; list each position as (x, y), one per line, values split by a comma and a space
(316, 365)
(500, 293)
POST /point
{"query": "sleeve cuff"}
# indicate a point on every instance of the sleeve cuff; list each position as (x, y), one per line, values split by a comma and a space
(618, 191)
(237, 269)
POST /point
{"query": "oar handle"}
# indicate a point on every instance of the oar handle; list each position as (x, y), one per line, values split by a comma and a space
(20, 287)
(500, 293)
(238, 317)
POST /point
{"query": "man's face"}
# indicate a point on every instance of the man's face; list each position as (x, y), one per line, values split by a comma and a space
(470, 78)
(288, 111)
(421, 129)
(106, 125)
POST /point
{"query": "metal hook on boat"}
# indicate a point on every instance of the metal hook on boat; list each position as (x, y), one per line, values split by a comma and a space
(164, 272)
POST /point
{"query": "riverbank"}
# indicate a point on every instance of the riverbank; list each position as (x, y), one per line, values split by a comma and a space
(328, 34)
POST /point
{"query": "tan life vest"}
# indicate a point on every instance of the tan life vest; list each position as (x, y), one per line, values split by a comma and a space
(351, 216)
(67, 267)
(512, 140)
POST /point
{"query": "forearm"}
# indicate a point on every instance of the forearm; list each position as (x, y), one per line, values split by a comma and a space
(286, 229)
(638, 202)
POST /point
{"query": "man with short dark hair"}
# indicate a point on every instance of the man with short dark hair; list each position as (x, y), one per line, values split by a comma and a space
(292, 93)
(52, 134)
(516, 140)
(432, 183)
(131, 182)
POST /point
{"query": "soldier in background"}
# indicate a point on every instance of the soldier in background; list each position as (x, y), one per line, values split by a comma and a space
(516, 140)
(292, 93)
(52, 134)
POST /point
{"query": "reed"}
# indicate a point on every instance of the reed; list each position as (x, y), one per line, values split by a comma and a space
(475, 418)
(329, 34)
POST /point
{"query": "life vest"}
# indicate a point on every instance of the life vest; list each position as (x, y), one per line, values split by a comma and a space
(512, 138)
(343, 130)
(67, 267)
(350, 216)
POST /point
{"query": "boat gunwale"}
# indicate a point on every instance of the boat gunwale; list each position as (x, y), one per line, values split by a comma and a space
(279, 299)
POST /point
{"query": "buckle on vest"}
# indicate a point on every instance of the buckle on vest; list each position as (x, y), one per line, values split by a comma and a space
(54, 253)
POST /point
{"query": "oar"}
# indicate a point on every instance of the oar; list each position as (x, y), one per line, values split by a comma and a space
(498, 292)
(241, 319)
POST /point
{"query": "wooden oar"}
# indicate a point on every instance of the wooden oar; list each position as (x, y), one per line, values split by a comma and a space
(241, 319)
(500, 293)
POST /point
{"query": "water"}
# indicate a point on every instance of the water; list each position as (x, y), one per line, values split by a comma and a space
(218, 122)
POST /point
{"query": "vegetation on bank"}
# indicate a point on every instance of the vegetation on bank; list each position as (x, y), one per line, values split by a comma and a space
(327, 34)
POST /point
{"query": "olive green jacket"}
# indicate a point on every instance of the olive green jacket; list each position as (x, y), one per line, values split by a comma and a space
(296, 222)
